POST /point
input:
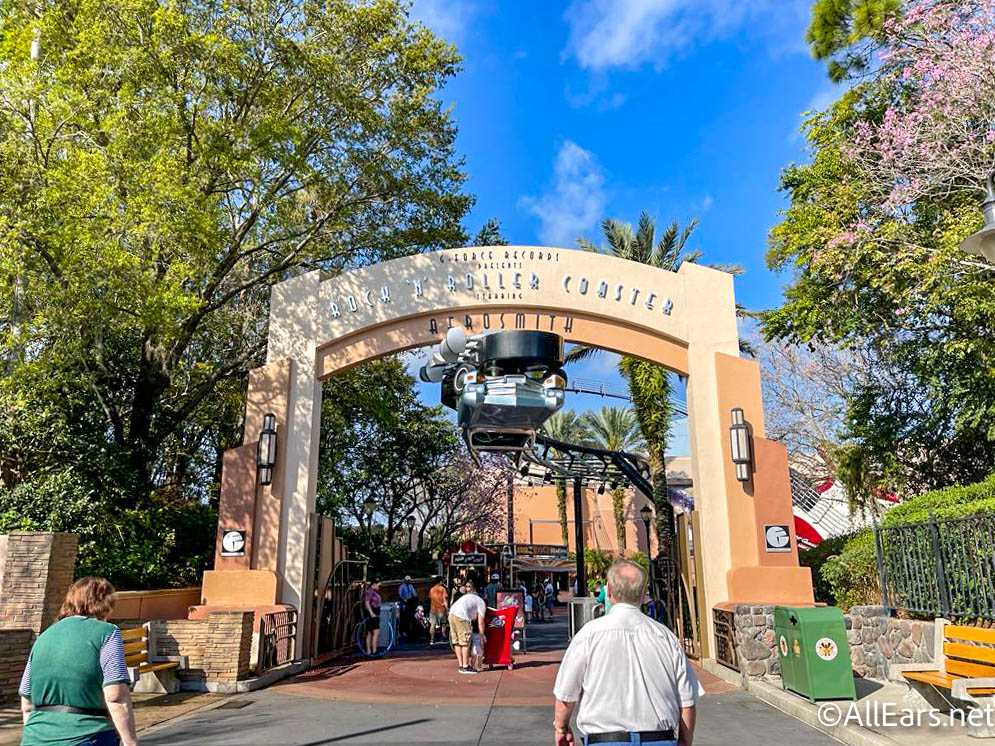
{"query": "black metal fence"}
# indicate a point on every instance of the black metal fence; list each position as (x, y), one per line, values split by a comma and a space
(277, 639)
(939, 567)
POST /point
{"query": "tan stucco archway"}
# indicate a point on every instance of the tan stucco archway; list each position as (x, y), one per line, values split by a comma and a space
(685, 321)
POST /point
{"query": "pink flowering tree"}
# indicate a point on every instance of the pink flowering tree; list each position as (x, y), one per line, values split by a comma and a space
(936, 137)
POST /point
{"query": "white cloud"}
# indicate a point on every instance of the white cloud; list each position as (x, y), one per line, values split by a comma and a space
(449, 19)
(707, 202)
(607, 34)
(575, 201)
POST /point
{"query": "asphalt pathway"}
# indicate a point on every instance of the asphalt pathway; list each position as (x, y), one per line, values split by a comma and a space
(368, 702)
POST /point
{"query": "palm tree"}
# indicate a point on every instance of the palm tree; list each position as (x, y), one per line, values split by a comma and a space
(649, 384)
(616, 429)
(567, 427)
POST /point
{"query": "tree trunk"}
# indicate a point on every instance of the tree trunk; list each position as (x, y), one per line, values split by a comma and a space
(664, 509)
(618, 510)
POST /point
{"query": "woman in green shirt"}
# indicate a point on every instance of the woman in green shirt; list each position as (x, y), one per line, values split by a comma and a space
(75, 689)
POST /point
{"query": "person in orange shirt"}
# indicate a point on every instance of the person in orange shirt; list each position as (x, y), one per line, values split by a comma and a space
(438, 609)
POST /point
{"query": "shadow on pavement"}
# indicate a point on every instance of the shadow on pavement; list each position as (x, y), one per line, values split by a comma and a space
(369, 732)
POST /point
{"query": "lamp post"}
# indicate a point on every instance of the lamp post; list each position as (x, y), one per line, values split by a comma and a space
(982, 243)
(646, 513)
(369, 506)
(411, 532)
(266, 450)
(739, 442)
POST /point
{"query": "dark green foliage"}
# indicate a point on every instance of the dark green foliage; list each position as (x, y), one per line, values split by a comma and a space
(843, 32)
(851, 576)
(387, 560)
(815, 558)
(490, 234)
(848, 573)
(596, 564)
(951, 502)
(167, 541)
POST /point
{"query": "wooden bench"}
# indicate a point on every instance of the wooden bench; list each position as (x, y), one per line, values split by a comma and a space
(962, 674)
(149, 674)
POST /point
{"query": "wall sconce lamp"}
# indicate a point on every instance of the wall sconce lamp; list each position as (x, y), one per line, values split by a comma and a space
(739, 439)
(266, 451)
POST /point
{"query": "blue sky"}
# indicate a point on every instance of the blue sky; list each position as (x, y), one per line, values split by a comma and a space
(570, 112)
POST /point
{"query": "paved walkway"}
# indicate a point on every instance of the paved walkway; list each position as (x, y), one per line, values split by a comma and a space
(416, 696)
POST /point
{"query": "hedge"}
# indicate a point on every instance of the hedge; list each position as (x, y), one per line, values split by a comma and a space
(850, 578)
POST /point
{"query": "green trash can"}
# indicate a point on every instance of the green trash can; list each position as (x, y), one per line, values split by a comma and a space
(814, 654)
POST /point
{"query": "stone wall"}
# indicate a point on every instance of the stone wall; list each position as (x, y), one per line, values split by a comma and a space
(38, 570)
(15, 644)
(218, 649)
(876, 640)
(755, 641)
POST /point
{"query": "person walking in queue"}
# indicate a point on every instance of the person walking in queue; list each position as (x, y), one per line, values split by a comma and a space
(371, 604)
(491, 590)
(409, 601)
(438, 608)
(630, 673)
(75, 688)
(550, 593)
(468, 609)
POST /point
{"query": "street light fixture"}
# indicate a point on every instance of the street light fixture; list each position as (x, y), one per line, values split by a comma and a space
(266, 449)
(410, 520)
(982, 243)
(739, 440)
(646, 513)
(369, 505)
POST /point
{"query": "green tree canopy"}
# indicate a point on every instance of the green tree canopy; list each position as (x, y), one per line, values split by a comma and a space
(843, 32)
(902, 296)
(161, 166)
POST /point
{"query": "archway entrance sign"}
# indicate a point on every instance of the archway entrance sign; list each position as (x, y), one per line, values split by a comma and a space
(685, 321)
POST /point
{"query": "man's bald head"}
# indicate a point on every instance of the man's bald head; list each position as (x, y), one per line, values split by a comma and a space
(626, 582)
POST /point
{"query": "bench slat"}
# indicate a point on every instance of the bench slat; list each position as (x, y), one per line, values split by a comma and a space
(941, 680)
(971, 670)
(135, 633)
(970, 652)
(159, 666)
(974, 634)
(133, 660)
(135, 647)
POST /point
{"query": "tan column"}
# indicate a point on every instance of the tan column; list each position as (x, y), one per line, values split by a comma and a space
(710, 309)
(294, 306)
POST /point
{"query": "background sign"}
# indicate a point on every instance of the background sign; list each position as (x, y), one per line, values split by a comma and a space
(463, 559)
(233, 543)
(778, 538)
(556, 551)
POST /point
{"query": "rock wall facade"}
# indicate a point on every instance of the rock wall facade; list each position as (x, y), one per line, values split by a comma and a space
(876, 641)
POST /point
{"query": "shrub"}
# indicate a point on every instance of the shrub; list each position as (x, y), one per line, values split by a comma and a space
(815, 558)
(950, 502)
(848, 575)
(851, 577)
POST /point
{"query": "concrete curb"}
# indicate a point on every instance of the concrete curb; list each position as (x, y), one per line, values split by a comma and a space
(798, 708)
(249, 685)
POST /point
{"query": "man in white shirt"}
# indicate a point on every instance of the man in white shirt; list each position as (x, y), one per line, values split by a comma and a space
(632, 672)
(466, 610)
